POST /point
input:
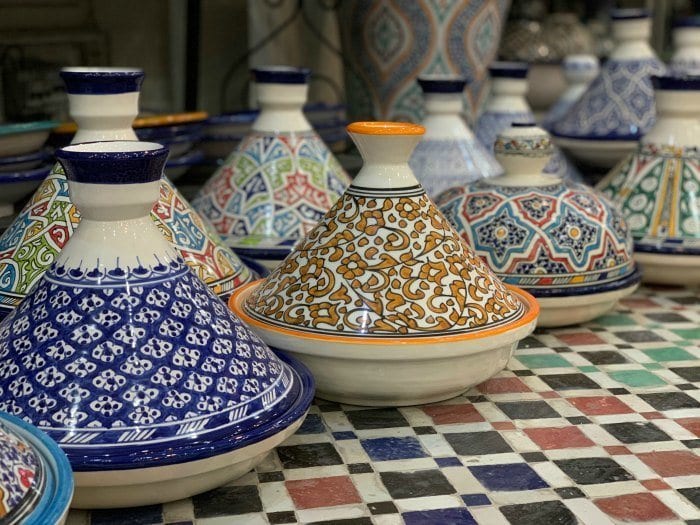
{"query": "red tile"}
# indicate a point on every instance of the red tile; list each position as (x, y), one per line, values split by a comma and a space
(600, 405)
(617, 450)
(564, 437)
(655, 484)
(549, 395)
(503, 385)
(652, 415)
(635, 507)
(447, 414)
(638, 302)
(671, 463)
(503, 425)
(581, 338)
(322, 492)
(690, 423)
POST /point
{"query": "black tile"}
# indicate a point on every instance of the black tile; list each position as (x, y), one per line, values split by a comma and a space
(618, 391)
(578, 420)
(636, 432)
(424, 430)
(329, 407)
(278, 518)
(523, 373)
(569, 381)
(666, 317)
(416, 484)
(589, 471)
(692, 494)
(382, 507)
(226, 501)
(527, 410)
(359, 468)
(310, 455)
(376, 418)
(639, 336)
(604, 357)
(692, 522)
(692, 443)
(267, 477)
(597, 329)
(686, 299)
(148, 515)
(477, 399)
(312, 425)
(570, 492)
(689, 373)
(670, 400)
(346, 521)
(687, 386)
(531, 342)
(533, 457)
(539, 513)
(477, 443)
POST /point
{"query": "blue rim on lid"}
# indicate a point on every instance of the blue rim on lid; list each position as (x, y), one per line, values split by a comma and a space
(676, 82)
(113, 162)
(442, 84)
(281, 75)
(630, 14)
(26, 157)
(687, 21)
(101, 81)
(508, 69)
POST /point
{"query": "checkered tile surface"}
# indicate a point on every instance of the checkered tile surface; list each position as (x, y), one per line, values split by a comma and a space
(595, 424)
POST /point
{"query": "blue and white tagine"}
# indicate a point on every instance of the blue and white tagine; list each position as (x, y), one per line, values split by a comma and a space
(122, 355)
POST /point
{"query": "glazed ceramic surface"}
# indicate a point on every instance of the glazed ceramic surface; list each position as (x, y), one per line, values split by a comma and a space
(579, 70)
(23, 138)
(121, 353)
(17, 185)
(552, 238)
(686, 43)
(21, 477)
(280, 180)
(23, 162)
(448, 154)
(388, 43)
(104, 102)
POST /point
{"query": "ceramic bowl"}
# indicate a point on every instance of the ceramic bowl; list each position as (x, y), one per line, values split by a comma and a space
(24, 162)
(20, 139)
(177, 167)
(37, 481)
(16, 185)
(236, 124)
(596, 153)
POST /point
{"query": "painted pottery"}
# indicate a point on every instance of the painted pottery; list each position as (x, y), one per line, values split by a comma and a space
(279, 181)
(25, 137)
(656, 187)
(388, 43)
(579, 70)
(36, 482)
(448, 154)
(618, 107)
(560, 241)
(104, 102)
(15, 185)
(686, 43)
(124, 357)
(506, 105)
(382, 300)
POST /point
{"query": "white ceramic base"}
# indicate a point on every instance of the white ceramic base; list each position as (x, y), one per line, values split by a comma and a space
(22, 143)
(563, 311)
(148, 486)
(672, 269)
(597, 153)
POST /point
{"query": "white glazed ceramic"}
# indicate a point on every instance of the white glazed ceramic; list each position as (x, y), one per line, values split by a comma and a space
(579, 70)
(686, 43)
(596, 153)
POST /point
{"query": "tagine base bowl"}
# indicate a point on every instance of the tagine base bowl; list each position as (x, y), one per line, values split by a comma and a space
(596, 153)
(669, 269)
(368, 371)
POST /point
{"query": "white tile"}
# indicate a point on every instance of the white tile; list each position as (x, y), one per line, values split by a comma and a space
(351, 451)
(331, 513)
(78, 517)
(462, 480)
(404, 465)
(436, 445)
(587, 512)
(552, 474)
(370, 487)
(249, 519)
(488, 516)
(571, 453)
(180, 510)
(678, 504)
(605, 490)
(636, 467)
(492, 459)
(316, 472)
(274, 497)
(429, 503)
(519, 497)
(520, 441)
(387, 519)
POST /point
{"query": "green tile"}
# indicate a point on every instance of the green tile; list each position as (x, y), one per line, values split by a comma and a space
(654, 325)
(588, 369)
(669, 354)
(688, 333)
(543, 361)
(637, 378)
(615, 320)
(683, 343)
(653, 366)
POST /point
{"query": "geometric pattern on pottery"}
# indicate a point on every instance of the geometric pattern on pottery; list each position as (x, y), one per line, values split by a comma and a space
(20, 475)
(440, 164)
(684, 66)
(140, 360)
(658, 190)
(618, 104)
(384, 263)
(40, 231)
(556, 236)
(390, 42)
(275, 185)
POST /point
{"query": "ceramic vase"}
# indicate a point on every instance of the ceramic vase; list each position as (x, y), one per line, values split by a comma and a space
(124, 357)
(560, 241)
(656, 187)
(382, 299)
(507, 104)
(104, 102)
(388, 43)
(579, 71)
(280, 180)
(448, 154)
(617, 109)
(686, 43)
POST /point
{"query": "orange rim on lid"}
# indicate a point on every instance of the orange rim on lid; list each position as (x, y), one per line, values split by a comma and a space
(173, 118)
(385, 128)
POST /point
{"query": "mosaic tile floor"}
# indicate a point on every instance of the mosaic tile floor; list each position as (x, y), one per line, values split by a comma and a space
(595, 424)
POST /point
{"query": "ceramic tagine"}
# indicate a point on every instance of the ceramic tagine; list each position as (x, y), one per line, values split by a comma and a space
(579, 70)
(280, 180)
(36, 482)
(686, 43)
(618, 106)
(657, 187)
(507, 104)
(124, 357)
(382, 299)
(560, 241)
(448, 154)
(104, 102)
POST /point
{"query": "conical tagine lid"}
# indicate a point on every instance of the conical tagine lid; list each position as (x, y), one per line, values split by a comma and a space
(104, 103)
(384, 262)
(120, 352)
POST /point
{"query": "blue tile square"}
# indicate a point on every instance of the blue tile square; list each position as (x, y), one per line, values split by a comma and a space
(476, 500)
(386, 449)
(448, 462)
(458, 515)
(312, 425)
(510, 477)
(344, 435)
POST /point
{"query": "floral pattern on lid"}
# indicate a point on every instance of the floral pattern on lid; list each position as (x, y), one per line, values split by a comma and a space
(20, 475)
